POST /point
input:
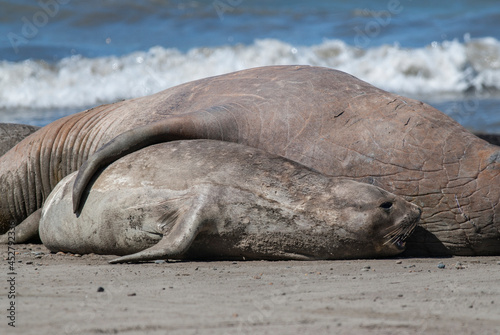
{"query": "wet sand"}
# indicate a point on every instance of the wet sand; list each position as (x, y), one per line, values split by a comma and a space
(68, 294)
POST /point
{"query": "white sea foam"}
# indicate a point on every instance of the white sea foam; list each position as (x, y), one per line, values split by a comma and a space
(440, 68)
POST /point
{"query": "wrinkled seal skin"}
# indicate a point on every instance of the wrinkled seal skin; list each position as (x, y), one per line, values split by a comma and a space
(12, 133)
(322, 118)
(213, 199)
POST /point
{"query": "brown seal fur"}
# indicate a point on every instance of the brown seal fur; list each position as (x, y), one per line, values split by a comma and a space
(213, 199)
(322, 118)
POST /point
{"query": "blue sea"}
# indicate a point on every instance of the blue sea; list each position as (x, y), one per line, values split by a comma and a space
(58, 57)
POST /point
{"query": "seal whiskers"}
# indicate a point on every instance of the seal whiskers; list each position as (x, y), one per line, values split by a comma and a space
(398, 235)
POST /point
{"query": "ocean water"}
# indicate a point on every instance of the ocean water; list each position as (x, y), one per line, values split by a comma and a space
(59, 57)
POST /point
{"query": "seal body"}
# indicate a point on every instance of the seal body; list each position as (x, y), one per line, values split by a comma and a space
(322, 118)
(341, 126)
(213, 199)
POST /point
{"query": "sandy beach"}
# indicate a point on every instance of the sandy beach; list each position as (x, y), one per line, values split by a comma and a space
(73, 294)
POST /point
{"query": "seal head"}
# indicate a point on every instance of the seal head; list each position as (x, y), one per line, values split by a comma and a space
(370, 220)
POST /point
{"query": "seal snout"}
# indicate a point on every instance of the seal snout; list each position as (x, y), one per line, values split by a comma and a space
(403, 229)
(416, 212)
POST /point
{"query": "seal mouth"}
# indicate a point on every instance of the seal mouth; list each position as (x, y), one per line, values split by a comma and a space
(400, 244)
(400, 233)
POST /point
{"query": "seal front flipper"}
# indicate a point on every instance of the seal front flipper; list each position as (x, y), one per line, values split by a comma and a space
(180, 228)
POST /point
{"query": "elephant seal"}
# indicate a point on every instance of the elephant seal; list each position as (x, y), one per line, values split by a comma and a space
(322, 118)
(203, 199)
(341, 126)
(12, 133)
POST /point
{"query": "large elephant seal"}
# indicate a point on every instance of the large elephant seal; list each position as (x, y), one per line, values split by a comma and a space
(13, 133)
(322, 118)
(341, 126)
(213, 199)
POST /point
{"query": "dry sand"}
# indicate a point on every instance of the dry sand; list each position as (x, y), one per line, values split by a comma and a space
(67, 294)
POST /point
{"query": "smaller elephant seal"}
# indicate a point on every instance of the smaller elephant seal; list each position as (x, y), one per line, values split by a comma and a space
(203, 199)
(12, 133)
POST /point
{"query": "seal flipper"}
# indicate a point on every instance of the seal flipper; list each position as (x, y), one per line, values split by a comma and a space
(215, 123)
(185, 224)
(173, 128)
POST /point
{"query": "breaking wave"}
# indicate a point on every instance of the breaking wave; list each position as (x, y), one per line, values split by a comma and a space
(450, 67)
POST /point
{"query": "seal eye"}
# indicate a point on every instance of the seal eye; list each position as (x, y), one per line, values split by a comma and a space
(386, 206)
